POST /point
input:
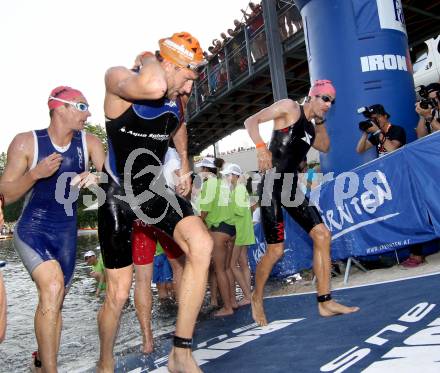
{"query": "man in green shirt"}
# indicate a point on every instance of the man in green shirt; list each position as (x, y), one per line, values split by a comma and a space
(98, 269)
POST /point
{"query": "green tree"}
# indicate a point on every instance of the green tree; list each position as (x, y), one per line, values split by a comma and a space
(12, 212)
(3, 157)
(90, 218)
(98, 131)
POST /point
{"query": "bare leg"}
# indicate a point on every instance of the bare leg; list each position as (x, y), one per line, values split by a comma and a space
(273, 253)
(60, 325)
(239, 276)
(243, 273)
(49, 279)
(322, 267)
(244, 264)
(219, 256)
(213, 286)
(118, 287)
(177, 267)
(143, 302)
(195, 241)
(230, 274)
(170, 290)
(162, 290)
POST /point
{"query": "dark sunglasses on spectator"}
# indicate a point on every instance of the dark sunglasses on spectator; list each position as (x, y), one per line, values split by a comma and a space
(327, 99)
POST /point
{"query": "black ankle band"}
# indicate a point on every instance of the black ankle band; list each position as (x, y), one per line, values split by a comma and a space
(37, 362)
(324, 298)
(182, 342)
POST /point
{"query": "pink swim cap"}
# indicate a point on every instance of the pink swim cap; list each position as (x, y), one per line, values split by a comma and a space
(322, 87)
(64, 93)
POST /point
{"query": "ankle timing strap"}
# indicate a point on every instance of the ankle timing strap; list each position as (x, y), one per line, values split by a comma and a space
(37, 362)
(182, 342)
(324, 298)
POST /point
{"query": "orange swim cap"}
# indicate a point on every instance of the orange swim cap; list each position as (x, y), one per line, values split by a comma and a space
(182, 49)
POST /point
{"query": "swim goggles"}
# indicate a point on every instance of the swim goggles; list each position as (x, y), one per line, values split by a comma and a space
(80, 106)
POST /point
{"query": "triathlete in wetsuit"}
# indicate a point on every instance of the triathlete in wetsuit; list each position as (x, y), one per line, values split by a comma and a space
(138, 139)
(42, 164)
(288, 147)
(142, 114)
(293, 135)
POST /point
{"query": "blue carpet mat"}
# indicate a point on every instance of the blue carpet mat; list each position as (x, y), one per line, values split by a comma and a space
(396, 330)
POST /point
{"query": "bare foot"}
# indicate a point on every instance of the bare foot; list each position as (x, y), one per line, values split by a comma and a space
(244, 302)
(182, 361)
(147, 347)
(105, 367)
(258, 310)
(332, 308)
(234, 305)
(224, 312)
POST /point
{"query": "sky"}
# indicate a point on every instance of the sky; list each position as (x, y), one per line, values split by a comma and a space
(47, 43)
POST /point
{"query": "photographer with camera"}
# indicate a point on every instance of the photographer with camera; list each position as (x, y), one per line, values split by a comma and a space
(379, 132)
(428, 109)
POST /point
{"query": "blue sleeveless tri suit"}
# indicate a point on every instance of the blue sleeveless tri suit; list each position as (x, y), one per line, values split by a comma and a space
(46, 230)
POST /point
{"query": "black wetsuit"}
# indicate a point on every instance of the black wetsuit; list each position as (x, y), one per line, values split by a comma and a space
(289, 146)
(138, 140)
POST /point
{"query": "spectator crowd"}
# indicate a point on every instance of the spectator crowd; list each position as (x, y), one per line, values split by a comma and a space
(228, 56)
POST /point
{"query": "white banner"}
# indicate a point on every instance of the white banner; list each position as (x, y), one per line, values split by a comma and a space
(391, 15)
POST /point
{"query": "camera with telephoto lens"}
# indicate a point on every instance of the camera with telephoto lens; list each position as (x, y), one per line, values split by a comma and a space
(426, 102)
(365, 124)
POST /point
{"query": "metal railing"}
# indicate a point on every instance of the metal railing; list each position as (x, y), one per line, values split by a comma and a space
(237, 58)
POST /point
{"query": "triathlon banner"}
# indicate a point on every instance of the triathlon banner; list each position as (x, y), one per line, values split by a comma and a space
(424, 157)
(386, 204)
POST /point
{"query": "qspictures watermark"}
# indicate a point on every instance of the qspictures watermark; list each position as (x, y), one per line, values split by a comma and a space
(362, 194)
